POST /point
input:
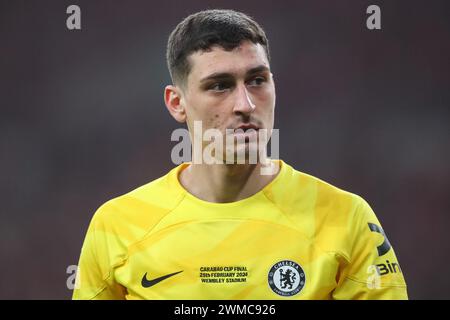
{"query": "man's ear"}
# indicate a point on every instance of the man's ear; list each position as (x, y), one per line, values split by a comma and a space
(174, 103)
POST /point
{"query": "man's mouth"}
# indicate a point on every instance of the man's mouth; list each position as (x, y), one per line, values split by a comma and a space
(246, 127)
(248, 132)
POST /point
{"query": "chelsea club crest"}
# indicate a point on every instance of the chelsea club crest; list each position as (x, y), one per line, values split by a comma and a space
(286, 278)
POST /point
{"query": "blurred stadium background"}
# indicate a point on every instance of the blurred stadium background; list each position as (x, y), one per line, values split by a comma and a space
(82, 120)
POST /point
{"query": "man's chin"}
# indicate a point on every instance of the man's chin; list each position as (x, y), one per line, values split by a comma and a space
(244, 153)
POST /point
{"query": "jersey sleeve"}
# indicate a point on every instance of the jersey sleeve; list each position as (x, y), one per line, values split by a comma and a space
(373, 271)
(94, 278)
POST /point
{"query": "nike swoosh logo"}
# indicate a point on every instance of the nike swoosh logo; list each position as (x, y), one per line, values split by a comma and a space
(149, 283)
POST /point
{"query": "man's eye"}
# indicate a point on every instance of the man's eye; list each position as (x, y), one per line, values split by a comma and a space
(257, 81)
(219, 86)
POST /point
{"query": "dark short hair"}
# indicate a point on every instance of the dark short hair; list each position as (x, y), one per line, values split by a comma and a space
(204, 29)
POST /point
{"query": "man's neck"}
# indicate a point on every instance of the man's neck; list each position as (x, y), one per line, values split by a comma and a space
(225, 183)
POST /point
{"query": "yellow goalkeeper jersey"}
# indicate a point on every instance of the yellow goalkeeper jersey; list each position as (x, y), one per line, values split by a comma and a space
(297, 238)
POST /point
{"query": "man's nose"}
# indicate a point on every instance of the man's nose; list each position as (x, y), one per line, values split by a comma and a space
(243, 103)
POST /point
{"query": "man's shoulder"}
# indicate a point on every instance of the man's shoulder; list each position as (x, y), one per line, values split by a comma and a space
(324, 212)
(142, 206)
(299, 188)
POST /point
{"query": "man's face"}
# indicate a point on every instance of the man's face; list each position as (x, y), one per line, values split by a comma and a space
(230, 90)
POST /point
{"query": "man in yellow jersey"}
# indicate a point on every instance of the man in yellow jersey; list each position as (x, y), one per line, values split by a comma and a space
(229, 229)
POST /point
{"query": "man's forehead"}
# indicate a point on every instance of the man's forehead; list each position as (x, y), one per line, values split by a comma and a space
(245, 57)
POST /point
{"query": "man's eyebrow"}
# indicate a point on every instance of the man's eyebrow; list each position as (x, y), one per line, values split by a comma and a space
(258, 69)
(222, 75)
